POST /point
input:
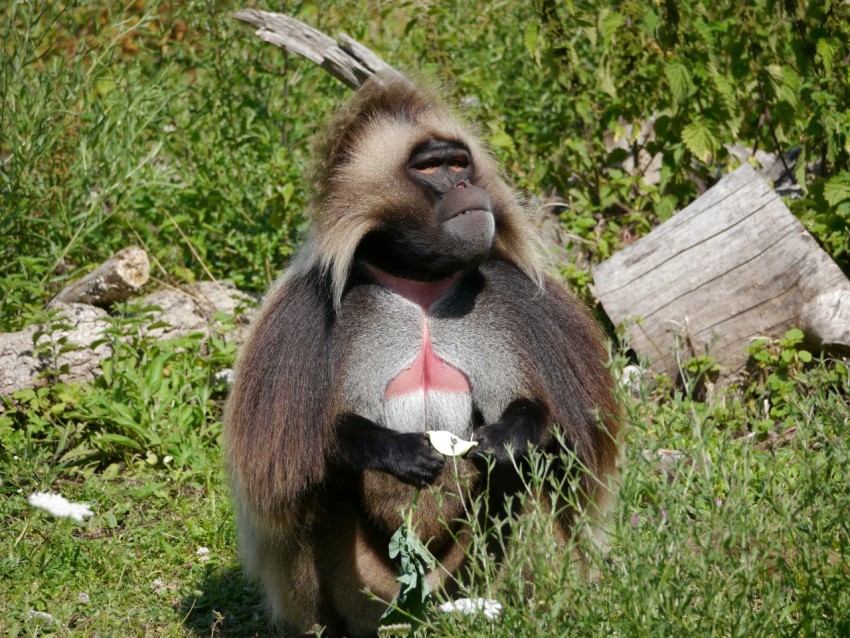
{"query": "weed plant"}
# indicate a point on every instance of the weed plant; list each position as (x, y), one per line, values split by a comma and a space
(168, 125)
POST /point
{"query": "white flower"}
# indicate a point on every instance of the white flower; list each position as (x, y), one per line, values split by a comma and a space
(631, 377)
(203, 554)
(225, 375)
(83, 597)
(57, 505)
(40, 616)
(468, 606)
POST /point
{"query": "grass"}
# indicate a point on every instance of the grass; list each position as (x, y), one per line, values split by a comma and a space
(171, 127)
(736, 538)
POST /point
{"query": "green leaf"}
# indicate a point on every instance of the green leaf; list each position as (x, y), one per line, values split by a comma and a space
(825, 51)
(726, 90)
(700, 140)
(609, 24)
(837, 189)
(774, 74)
(415, 560)
(530, 41)
(679, 79)
(606, 81)
(789, 88)
(792, 337)
(119, 439)
(500, 139)
(153, 375)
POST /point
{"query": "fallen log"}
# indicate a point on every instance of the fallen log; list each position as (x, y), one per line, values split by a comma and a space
(72, 342)
(117, 279)
(71, 346)
(733, 266)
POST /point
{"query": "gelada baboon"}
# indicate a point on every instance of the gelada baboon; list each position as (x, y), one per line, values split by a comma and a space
(417, 303)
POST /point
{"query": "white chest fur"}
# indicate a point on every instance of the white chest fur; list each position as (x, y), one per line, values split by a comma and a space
(383, 381)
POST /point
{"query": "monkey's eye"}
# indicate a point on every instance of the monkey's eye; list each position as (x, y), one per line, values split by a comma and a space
(428, 167)
(459, 163)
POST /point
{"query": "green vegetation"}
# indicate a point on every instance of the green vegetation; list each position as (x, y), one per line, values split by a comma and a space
(170, 126)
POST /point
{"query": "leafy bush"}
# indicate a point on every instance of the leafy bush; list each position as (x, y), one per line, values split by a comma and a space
(766, 74)
(734, 537)
(156, 403)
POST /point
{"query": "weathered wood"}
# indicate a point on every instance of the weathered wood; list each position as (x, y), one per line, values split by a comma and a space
(72, 342)
(348, 60)
(75, 343)
(117, 279)
(734, 265)
(193, 308)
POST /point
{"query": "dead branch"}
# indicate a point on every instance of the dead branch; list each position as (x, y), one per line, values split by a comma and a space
(347, 60)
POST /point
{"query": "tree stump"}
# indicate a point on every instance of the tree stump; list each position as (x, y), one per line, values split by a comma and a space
(117, 279)
(733, 266)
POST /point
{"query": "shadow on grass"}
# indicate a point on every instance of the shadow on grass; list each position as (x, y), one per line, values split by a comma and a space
(228, 605)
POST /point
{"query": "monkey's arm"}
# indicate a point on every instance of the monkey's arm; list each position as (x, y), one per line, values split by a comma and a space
(364, 445)
(563, 355)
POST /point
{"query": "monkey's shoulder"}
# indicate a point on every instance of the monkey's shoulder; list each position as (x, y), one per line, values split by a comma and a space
(505, 285)
(541, 320)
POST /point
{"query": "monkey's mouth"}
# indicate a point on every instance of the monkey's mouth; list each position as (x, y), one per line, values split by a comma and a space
(466, 199)
(470, 234)
(469, 224)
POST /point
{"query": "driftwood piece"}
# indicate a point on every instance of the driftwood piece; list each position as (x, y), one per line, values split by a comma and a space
(117, 279)
(734, 265)
(347, 60)
(193, 309)
(75, 343)
(69, 343)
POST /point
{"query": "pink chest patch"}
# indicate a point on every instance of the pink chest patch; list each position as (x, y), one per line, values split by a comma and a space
(428, 372)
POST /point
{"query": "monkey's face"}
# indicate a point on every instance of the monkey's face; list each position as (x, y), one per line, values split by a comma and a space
(417, 196)
(443, 225)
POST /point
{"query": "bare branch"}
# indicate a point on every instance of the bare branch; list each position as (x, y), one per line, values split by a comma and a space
(347, 60)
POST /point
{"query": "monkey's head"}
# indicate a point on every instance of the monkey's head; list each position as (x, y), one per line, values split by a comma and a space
(404, 186)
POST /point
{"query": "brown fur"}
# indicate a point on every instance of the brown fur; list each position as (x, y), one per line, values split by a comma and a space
(384, 120)
(312, 534)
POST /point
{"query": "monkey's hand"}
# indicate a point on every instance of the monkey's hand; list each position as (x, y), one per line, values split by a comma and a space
(364, 445)
(522, 425)
(496, 441)
(411, 459)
